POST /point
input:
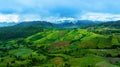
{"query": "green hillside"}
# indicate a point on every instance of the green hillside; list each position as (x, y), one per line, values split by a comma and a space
(110, 27)
(61, 48)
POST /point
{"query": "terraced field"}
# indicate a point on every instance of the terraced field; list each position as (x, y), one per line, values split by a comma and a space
(62, 48)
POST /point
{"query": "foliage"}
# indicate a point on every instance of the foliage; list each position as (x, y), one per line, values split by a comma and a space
(35, 46)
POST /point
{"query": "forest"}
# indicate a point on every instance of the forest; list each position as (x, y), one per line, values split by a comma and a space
(42, 44)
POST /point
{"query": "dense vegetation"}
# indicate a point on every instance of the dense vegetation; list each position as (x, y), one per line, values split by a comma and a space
(35, 46)
(7, 33)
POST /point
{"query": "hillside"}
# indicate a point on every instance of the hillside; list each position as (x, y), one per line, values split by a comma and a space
(115, 24)
(47, 44)
(14, 32)
(35, 23)
(25, 29)
(63, 48)
(59, 33)
(110, 27)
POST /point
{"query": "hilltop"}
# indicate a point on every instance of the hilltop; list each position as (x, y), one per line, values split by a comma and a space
(39, 43)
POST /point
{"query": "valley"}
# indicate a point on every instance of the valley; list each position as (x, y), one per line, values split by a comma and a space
(44, 44)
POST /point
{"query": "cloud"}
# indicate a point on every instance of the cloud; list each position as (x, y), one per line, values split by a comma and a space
(100, 16)
(57, 8)
(9, 18)
(39, 6)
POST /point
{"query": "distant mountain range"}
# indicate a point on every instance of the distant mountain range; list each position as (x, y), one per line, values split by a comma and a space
(4, 24)
(61, 24)
(115, 24)
(24, 29)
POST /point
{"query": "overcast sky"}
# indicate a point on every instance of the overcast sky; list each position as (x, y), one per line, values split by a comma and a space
(20, 10)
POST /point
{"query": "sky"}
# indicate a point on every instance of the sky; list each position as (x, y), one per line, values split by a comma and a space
(51, 10)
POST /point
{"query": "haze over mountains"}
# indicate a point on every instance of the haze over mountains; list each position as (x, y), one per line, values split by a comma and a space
(5, 24)
(64, 23)
(87, 16)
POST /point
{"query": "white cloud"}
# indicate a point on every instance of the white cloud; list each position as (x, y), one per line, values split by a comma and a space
(53, 19)
(9, 18)
(100, 16)
(35, 17)
(18, 18)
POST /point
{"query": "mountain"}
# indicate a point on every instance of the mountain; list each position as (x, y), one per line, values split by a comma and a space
(58, 24)
(75, 24)
(43, 44)
(106, 27)
(25, 29)
(35, 23)
(5, 24)
(22, 30)
(115, 24)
